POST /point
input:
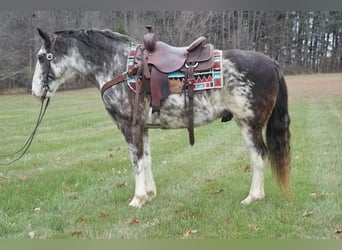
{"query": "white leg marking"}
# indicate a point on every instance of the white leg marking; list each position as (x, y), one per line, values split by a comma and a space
(140, 191)
(149, 182)
(257, 187)
(145, 188)
(140, 195)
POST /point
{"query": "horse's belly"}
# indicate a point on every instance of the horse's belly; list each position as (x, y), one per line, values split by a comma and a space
(174, 114)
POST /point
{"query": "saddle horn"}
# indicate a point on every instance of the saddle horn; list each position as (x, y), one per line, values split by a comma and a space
(150, 39)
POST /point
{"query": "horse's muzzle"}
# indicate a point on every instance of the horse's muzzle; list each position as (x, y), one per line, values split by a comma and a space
(41, 96)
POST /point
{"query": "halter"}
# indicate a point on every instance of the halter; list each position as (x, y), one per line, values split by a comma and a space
(47, 65)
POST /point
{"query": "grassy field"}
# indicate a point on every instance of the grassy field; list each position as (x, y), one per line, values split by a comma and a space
(76, 180)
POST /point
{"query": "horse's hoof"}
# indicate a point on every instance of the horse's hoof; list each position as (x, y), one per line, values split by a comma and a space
(137, 202)
(251, 198)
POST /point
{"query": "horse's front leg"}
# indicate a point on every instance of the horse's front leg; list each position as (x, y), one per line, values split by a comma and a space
(149, 182)
(139, 148)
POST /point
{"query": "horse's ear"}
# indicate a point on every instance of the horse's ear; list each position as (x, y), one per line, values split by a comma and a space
(45, 36)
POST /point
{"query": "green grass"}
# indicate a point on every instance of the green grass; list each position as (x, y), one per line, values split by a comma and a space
(76, 180)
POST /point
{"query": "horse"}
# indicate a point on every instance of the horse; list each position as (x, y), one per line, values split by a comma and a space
(254, 94)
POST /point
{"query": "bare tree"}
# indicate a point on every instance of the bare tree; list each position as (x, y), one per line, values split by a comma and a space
(300, 40)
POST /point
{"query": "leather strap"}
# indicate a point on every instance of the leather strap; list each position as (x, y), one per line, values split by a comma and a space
(132, 71)
(138, 88)
(190, 80)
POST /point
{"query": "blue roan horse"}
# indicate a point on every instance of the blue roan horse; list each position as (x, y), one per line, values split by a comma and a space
(254, 93)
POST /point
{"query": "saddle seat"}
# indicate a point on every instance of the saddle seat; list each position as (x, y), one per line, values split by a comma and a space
(167, 58)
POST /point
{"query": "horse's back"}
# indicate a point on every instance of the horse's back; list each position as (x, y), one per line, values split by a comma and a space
(255, 66)
(256, 75)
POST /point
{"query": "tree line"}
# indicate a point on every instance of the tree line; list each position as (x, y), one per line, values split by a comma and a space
(302, 41)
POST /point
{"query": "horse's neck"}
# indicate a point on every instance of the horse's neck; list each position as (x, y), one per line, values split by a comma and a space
(104, 66)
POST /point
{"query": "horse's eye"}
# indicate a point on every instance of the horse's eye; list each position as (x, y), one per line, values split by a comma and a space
(41, 58)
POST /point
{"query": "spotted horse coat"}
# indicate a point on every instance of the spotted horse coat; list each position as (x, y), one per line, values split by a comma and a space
(254, 93)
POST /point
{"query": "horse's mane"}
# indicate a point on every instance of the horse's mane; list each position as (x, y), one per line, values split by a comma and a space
(91, 36)
(95, 46)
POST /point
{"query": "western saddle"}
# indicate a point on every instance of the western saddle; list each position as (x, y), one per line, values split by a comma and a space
(167, 58)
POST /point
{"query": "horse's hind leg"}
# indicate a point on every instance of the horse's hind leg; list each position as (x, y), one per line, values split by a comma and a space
(257, 151)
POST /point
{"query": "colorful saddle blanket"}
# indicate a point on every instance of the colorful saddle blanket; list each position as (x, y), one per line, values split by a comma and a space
(208, 79)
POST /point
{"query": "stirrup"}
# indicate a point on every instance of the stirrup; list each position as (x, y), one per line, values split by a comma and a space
(153, 118)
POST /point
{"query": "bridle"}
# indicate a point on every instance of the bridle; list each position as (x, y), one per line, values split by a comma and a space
(49, 56)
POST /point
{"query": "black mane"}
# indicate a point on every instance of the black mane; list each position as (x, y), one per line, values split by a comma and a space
(89, 35)
(93, 38)
(95, 46)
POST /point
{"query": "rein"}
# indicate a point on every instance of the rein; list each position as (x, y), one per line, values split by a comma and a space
(132, 71)
(29, 140)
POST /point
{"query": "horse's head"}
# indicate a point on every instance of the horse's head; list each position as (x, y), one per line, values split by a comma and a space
(52, 68)
(95, 54)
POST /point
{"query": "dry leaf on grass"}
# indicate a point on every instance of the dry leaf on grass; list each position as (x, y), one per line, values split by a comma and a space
(208, 180)
(103, 214)
(315, 195)
(189, 232)
(218, 191)
(39, 170)
(150, 223)
(76, 233)
(23, 178)
(3, 176)
(121, 185)
(120, 172)
(135, 220)
(247, 169)
(176, 203)
(32, 234)
(188, 213)
(284, 221)
(82, 221)
(308, 214)
(253, 226)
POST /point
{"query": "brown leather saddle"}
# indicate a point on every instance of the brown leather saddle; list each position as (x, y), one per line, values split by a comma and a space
(167, 58)
(155, 59)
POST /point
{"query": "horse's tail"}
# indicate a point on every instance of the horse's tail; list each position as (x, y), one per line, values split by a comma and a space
(278, 137)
